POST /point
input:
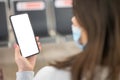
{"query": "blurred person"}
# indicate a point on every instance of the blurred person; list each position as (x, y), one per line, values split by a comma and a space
(98, 24)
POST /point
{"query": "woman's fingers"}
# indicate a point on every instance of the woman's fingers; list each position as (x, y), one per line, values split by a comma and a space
(24, 64)
(39, 45)
(37, 38)
(17, 51)
(38, 42)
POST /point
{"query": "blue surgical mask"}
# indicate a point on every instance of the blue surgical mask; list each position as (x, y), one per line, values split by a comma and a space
(76, 32)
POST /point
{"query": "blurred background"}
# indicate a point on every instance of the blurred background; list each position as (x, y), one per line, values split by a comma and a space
(51, 21)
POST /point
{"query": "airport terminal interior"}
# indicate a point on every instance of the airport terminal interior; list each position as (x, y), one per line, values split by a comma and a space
(51, 21)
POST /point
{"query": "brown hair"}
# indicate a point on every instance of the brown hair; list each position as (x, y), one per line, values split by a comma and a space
(101, 20)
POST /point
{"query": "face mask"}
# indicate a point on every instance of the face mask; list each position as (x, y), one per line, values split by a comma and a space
(76, 32)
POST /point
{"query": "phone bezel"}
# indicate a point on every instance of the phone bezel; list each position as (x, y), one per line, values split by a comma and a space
(16, 35)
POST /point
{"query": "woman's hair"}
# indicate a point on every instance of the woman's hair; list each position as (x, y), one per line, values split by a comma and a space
(101, 21)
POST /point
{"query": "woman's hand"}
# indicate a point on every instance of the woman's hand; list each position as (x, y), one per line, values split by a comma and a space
(25, 64)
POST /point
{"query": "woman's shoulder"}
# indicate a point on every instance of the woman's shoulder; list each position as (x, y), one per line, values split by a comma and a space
(51, 72)
(48, 69)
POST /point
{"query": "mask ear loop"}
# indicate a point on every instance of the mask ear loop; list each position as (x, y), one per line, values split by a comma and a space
(80, 39)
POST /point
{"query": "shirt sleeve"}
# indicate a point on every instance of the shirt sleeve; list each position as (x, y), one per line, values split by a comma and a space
(25, 75)
(45, 73)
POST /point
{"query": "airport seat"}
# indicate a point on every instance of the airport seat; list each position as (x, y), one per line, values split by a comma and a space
(63, 14)
(37, 13)
(3, 24)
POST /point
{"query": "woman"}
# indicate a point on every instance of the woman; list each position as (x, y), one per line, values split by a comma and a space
(99, 24)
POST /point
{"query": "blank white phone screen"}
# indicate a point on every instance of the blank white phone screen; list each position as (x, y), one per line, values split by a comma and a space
(24, 34)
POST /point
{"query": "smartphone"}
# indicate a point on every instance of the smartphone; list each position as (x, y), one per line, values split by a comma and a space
(24, 34)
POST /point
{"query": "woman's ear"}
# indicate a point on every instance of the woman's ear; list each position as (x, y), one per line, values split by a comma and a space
(74, 21)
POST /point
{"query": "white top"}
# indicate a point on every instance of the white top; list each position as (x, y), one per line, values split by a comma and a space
(52, 73)
(46, 73)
